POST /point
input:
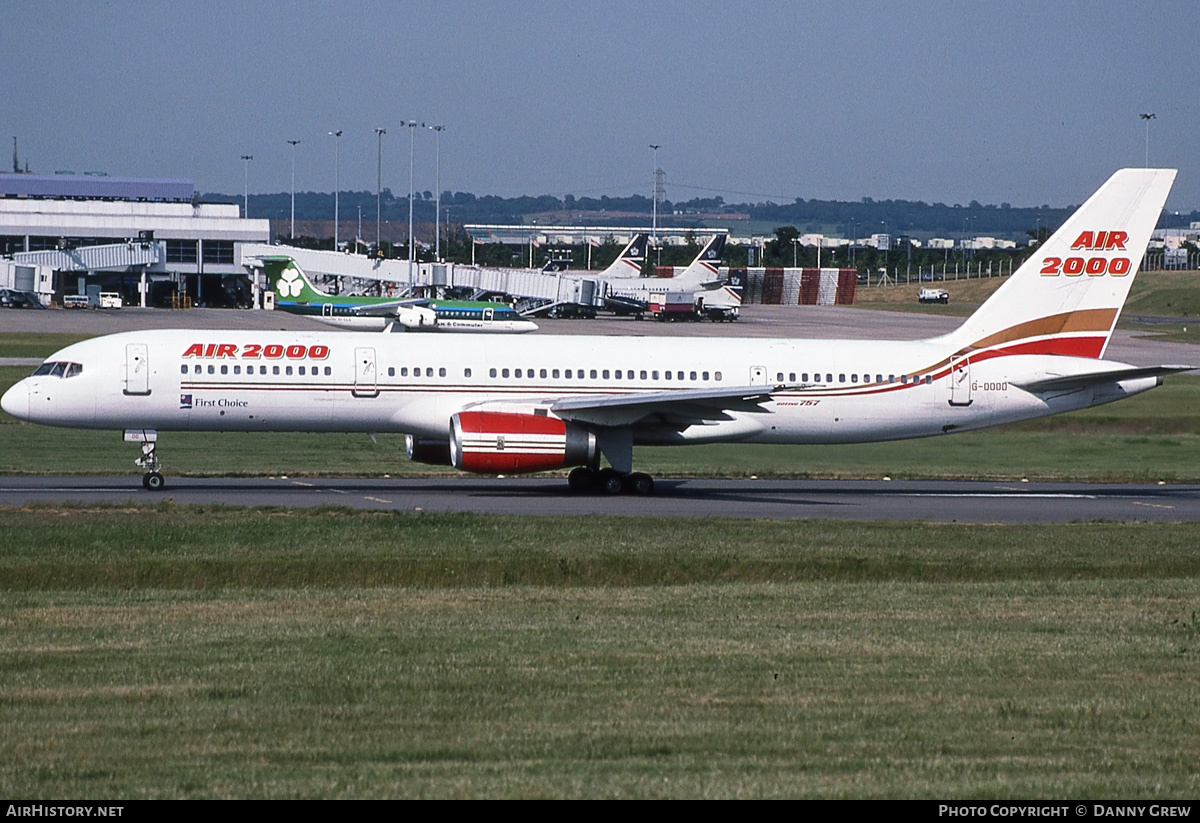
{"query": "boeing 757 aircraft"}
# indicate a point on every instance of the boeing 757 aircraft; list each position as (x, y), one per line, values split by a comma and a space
(535, 403)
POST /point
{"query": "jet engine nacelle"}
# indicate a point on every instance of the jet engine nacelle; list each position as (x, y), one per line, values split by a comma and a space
(507, 443)
(416, 317)
(428, 451)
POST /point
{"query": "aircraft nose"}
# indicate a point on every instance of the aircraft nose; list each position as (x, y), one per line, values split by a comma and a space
(16, 401)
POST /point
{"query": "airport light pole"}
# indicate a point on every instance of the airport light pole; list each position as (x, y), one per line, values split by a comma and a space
(412, 125)
(654, 193)
(437, 212)
(337, 180)
(246, 158)
(379, 133)
(1148, 117)
(293, 144)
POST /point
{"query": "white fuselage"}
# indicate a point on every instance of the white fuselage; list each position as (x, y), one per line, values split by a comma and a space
(825, 391)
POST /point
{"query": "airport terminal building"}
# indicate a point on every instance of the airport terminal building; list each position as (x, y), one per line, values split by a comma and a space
(148, 239)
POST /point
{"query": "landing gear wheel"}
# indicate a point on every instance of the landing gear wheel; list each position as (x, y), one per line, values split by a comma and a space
(610, 481)
(153, 481)
(581, 480)
(639, 484)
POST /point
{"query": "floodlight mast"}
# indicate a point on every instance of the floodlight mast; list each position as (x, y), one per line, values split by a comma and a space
(293, 144)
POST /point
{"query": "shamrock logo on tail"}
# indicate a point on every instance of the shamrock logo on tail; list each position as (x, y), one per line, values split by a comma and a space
(289, 284)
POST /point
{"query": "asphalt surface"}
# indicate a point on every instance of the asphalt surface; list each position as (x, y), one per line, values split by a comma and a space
(820, 322)
(898, 500)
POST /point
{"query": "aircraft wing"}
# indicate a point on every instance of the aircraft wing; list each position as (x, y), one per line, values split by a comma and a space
(673, 408)
(1071, 382)
(387, 309)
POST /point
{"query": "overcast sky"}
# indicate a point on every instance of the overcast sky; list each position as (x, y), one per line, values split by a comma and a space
(1019, 102)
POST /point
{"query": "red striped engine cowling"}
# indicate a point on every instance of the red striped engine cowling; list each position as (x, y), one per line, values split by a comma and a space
(507, 443)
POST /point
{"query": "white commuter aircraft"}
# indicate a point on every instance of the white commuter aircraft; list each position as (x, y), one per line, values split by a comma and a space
(530, 403)
(295, 293)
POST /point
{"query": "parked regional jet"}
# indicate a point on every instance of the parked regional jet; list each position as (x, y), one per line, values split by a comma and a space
(537, 403)
(296, 294)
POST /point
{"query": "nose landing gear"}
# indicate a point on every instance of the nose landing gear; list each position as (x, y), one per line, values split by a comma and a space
(152, 480)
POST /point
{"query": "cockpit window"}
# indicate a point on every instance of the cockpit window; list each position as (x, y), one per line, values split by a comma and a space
(57, 368)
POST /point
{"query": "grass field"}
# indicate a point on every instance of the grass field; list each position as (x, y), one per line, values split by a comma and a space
(208, 652)
(1157, 293)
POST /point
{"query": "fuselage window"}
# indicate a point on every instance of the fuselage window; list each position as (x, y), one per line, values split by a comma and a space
(491, 372)
(854, 378)
(717, 375)
(891, 378)
(183, 369)
(196, 369)
(274, 370)
(567, 374)
(879, 378)
(504, 372)
(517, 373)
(693, 375)
(679, 375)
(429, 371)
(554, 373)
(841, 378)
(391, 371)
(328, 370)
(466, 372)
(404, 371)
(654, 374)
(666, 375)
(442, 371)
(804, 377)
(643, 374)
(542, 373)
(262, 369)
(212, 370)
(224, 370)
(928, 379)
(593, 374)
(302, 370)
(779, 377)
(606, 374)
(792, 377)
(287, 369)
(704, 375)
(828, 377)
(904, 379)
(237, 369)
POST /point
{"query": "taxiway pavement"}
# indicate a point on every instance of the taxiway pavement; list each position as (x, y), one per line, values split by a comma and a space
(894, 500)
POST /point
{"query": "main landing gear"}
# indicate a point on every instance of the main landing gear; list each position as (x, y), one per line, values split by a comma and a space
(609, 481)
(152, 480)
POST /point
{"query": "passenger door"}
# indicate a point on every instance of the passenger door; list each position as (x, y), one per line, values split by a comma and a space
(365, 378)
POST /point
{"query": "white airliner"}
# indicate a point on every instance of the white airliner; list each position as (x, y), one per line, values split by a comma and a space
(530, 403)
(296, 294)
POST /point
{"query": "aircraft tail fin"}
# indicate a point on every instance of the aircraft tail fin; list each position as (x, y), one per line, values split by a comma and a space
(705, 268)
(1066, 298)
(629, 261)
(289, 281)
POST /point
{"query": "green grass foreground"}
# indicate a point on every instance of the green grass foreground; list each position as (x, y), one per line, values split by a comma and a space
(216, 652)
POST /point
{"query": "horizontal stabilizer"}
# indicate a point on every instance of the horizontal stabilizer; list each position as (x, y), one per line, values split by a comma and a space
(1071, 382)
